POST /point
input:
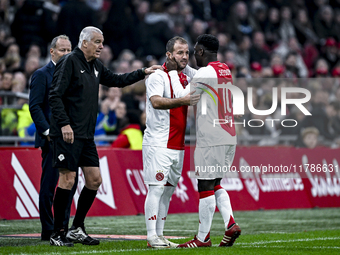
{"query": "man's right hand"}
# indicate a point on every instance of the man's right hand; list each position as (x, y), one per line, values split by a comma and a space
(191, 99)
(67, 134)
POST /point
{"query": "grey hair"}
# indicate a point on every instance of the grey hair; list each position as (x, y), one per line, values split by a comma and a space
(55, 39)
(87, 34)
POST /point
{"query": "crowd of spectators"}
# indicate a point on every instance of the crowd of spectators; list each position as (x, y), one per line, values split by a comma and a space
(265, 43)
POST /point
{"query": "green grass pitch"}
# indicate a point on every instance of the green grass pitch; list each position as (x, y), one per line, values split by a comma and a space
(310, 231)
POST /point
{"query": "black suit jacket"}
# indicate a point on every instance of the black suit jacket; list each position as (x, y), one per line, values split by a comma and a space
(38, 101)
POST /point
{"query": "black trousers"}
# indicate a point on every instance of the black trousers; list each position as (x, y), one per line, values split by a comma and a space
(48, 183)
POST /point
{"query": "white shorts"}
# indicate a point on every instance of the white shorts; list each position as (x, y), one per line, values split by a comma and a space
(214, 161)
(162, 165)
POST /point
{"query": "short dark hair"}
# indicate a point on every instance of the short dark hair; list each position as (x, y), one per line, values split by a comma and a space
(209, 42)
(171, 43)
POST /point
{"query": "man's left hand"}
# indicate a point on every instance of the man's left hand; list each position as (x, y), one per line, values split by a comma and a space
(152, 69)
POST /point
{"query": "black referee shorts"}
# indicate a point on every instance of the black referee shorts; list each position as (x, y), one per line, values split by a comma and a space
(82, 152)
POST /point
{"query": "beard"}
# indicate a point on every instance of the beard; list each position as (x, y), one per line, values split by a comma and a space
(179, 65)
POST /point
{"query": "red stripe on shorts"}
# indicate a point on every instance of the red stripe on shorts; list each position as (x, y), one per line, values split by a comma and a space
(217, 187)
(207, 193)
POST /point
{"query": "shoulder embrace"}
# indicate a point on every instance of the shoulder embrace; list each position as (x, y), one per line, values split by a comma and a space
(159, 72)
(157, 75)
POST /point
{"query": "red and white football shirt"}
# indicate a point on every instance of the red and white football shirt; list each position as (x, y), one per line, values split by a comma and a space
(213, 125)
(164, 128)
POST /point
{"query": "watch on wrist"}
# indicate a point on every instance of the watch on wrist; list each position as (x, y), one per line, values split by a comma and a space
(143, 70)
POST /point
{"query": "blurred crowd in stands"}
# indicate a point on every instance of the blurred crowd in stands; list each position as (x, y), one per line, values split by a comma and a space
(265, 43)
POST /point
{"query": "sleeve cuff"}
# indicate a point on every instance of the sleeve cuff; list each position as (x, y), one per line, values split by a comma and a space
(46, 133)
(143, 70)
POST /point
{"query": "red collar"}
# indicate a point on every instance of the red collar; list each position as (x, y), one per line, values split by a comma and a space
(181, 74)
(214, 62)
(165, 68)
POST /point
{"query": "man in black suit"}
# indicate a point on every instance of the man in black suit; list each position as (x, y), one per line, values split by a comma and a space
(40, 112)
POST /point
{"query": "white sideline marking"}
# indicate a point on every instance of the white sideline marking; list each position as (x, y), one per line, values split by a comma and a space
(277, 246)
(245, 245)
(290, 220)
(182, 230)
(113, 237)
(290, 241)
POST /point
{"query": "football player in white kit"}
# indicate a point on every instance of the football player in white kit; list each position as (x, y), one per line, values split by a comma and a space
(163, 141)
(215, 140)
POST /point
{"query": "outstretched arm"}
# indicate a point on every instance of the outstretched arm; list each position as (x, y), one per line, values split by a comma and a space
(189, 71)
(177, 87)
(111, 79)
(155, 91)
(159, 102)
(179, 91)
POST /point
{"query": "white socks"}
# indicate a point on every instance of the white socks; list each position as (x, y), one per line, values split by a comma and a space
(207, 205)
(163, 209)
(151, 208)
(224, 205)
(157, 204)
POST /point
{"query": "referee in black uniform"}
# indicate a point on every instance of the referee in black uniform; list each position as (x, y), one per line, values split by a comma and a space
(74, 105)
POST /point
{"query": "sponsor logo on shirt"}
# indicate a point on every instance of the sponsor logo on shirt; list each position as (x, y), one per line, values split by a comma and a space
(224, 72)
